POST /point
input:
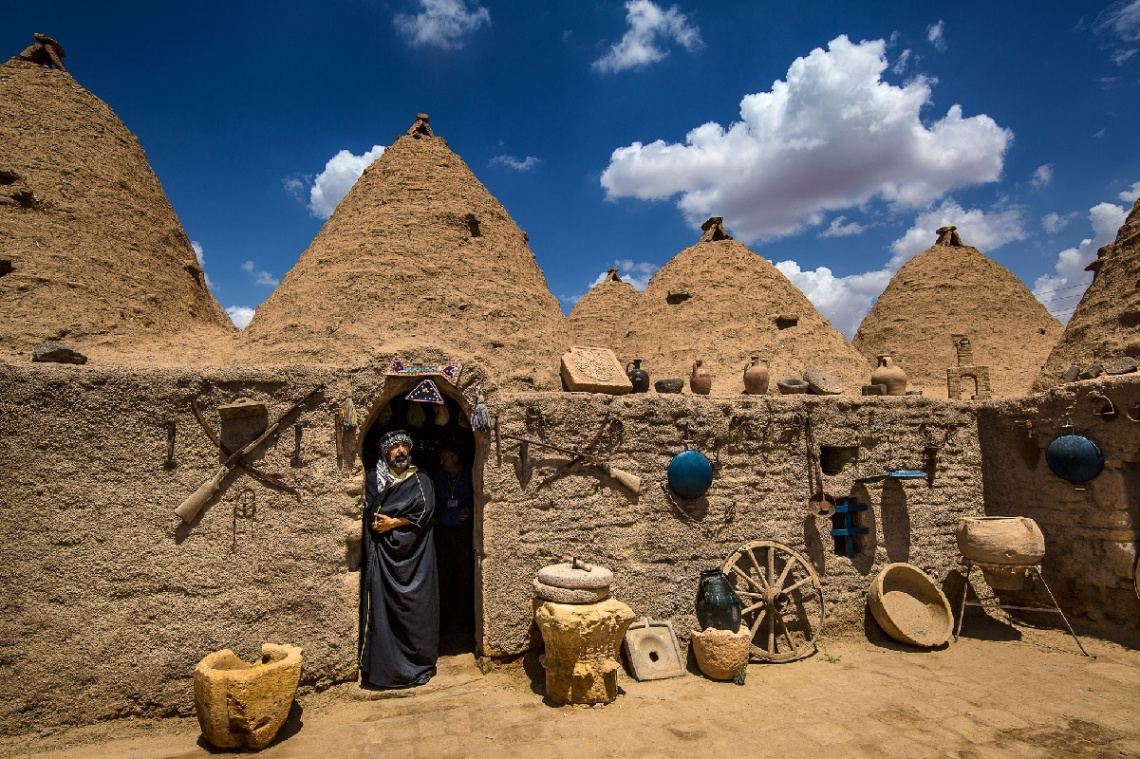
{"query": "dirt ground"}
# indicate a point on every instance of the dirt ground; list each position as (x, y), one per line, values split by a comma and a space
(1001, 691)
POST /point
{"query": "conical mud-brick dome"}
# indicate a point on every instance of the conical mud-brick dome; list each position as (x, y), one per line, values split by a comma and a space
(418, 255)
(91, 253)
(601, 317)
(721, 303)
(1106, 323)
(952, 289)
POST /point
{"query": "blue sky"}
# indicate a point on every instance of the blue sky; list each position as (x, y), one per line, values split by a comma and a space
(834, 137)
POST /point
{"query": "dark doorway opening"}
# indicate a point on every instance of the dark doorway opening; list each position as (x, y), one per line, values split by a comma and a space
(441, 428)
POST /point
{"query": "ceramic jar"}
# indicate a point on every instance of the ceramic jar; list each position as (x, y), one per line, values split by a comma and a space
(700, 381)
(717, 604)
(887, 373)
(637, 376)
(756, 377)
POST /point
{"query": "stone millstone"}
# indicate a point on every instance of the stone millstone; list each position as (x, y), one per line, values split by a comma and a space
(721, 653)
(874, 389)
(243, 704)
(822, 383)
(570, 595)
(58, 354)
(566, 575)
(792, 386)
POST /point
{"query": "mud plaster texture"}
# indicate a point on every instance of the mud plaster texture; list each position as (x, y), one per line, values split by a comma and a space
(1106, 323)
(955, 290)
(418, 252)
(109, 601)
(1091, 529)
(721, 303)
(99, 260)
(656, 544)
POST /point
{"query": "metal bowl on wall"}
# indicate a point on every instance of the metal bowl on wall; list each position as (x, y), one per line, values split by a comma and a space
(690, 474)
(1074, 458)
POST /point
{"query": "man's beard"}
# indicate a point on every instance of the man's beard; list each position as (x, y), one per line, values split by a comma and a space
(398, 461)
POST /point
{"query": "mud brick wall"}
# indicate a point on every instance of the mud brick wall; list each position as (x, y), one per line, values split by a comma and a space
(657, 544)
(108, 600)
(1091, 529)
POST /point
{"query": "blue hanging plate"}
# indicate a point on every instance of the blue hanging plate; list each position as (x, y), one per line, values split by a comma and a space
(1074, 458)
(690, 474)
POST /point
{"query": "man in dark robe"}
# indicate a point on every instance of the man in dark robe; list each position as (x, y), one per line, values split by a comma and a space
(399, 595)
(455, 503)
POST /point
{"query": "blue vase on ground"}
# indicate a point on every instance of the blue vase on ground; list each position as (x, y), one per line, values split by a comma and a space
(717, 603)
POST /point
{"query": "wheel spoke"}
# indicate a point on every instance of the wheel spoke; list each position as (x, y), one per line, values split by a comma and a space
(771, 566)
(748, 594)
(756, 624)
(772, 631)
(787, 637)
(751, 608)
(747, 579)
(784, 575)
(759, 570)
(799, 584)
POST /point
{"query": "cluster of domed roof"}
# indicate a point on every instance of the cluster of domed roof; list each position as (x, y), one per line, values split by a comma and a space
(419, 254)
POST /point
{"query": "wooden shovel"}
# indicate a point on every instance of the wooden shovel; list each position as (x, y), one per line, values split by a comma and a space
(192, 505)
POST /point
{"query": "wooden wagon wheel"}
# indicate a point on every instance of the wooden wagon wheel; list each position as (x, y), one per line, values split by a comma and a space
(781, 599)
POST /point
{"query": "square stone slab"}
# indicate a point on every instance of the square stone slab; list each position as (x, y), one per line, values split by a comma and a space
(594, 370)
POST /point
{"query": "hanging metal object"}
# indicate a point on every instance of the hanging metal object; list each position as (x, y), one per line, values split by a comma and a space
(1074, 457)
(690, 472)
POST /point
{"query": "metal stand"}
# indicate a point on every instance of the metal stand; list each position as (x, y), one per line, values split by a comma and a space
(1027, 568)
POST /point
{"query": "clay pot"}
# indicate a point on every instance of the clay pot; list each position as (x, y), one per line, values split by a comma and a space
(700, 381)
(638, 377)
(910, 607)
(756, 377)
(243, 704)
(1013, 541)
(717, 604)
(890, 375)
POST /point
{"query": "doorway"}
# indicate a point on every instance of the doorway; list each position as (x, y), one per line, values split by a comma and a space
(435, 429)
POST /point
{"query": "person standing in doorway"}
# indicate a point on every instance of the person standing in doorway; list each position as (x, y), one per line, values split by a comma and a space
(399, 597)
(454, 507)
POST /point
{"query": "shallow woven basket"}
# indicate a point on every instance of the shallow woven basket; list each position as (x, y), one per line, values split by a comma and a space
(910, 607)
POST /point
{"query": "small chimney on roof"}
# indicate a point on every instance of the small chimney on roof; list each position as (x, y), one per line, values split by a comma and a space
(612, 276)
(45, 51)
(714, 230)
(949, 236)
(420, 128)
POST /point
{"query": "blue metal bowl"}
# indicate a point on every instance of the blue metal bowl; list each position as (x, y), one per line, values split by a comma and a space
(1074, 458)
(690, 474)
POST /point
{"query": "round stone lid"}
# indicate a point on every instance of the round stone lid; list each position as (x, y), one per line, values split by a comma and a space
(575, 575)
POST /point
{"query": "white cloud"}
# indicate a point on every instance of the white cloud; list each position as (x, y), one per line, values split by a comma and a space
(441, 23)
(340, 174)
(1120, 22)
(1042, 177)
(1061, 292)
(936, 35)
(832, 136)
(525, 164)
(846, 300)
(649, 29)
(903, 61)
(240, 315)
(1131, 194)
(839, 229)
(1055, 222)
(197, 246)
(259, 277)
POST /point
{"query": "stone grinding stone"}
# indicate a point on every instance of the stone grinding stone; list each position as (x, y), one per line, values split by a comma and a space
(822, 383)
(570, 595)
(792, 386)
(57, 354)
(1073, 374)
(566, 576)
(1123, 365)
(669, 385)
(874, 389)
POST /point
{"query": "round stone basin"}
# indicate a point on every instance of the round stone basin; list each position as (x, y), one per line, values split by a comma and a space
(240, 704)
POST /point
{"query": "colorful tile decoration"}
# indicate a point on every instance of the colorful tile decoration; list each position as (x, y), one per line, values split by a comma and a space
(398, 368)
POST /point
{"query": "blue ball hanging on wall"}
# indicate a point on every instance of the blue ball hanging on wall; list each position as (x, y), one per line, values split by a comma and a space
(690, 474)
(1074, 458)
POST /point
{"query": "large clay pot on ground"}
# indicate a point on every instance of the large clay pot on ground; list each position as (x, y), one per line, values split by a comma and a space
(700, 381)
(1015, 542)
(756, 377)
(891, 375)
(910, 607)
(243, 704)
